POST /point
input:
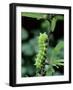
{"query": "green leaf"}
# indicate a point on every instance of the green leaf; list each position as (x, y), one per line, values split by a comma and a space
(24, 34)
(54, 20)
(55, 55)
(30, 70)
(27, 49)
(23, 71)
(49, 52)
(59, 46)
(53, 23)
(36, 32)
(59, 62)
(34, 44)
(22, 62)
(45, 25)
(60, 17)
(50, 70)
(57, 73)
(34, 15)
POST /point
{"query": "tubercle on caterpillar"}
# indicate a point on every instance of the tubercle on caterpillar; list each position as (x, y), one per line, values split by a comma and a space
(42, 50)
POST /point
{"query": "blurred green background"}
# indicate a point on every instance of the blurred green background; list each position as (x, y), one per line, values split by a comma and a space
(32, 25)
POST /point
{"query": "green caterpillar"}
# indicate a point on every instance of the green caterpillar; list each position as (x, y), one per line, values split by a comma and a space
(40, 57)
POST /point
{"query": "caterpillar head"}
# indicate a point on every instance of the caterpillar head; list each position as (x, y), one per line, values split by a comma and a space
(43, 37)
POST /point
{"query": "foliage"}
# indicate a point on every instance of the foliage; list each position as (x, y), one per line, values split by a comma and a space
(34, 15)
(24, 34)
(39, 57)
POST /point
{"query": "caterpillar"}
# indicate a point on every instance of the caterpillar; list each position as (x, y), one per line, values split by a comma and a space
(42, 45)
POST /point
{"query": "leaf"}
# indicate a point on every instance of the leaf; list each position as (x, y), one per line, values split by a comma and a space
(59, 62)
(30, 70)
(60, 17)
(50, 71)
(27, 49)
(54, 20)
(34, 44)
(45, 25)
(59, 46)
(23, 71)
(50, 16)
(58, 51)
(53, 23)
(55, 55)
(36, 32)
(34, 15)
(49, 52)
(57, 73)
(24, 34)
(22, 62)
